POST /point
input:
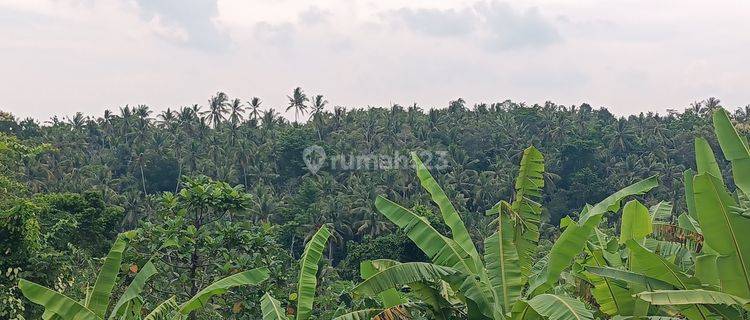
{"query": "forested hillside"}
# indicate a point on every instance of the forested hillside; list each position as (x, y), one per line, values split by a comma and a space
(213, 189)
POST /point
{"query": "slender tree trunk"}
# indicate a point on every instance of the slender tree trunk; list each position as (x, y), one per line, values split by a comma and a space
(143, 180)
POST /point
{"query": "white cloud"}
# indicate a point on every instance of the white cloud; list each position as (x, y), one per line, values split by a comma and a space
(66, 55)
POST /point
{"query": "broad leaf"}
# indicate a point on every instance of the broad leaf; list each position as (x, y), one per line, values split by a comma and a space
(134, 289)
(59, 304)
(636, 222)
(250, 277)
(630, 277)
(573, 239)
(697, 296)
(528, 188)
(308, 272)
(661, 211)
(165, 310)
(503, 266)
(105, 281)
(441, 250)
(612, 295)
(688, 176)
(735, 149)
(726, 232)
(705, 159)
(271, 308)
(450, 215)
(367, 269)
(559, 307)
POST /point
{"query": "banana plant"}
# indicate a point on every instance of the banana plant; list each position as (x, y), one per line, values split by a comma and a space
(492, 285)
(718, 286)
(128, 307)
(306, 283)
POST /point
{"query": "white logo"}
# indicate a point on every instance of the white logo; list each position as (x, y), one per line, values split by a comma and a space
(314, 157)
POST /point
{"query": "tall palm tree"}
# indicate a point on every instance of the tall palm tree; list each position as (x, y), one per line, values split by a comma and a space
(297, 102)
(255, 112)
(235, 112)
(235, 118)
(319, 103)
(217, 108)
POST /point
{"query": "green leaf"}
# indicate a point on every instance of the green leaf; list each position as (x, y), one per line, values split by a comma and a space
(402, 274)
(726, 232)
(705, 159)
(441, 250)
(367, 269)
(636, 222)
(630, 277)
(398, 312)
(559, 307)
(735, 149)
(421, 272)
(612, 203)
(503, 266)
(250, 277)
(134, 289)
(364, 314)
(271, 308)
(528, 188)
(654, 266)
(573, 239)
(164, 310)
(686, 221)
(450, 215)
(661, 211)
(697, 296)
(688, 176)
(105, 281)
(61, 305)
(612, 295)
(308, 272)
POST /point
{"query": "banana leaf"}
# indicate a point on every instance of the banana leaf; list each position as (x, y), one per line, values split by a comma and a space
(105, 281)
(636, 222)
(528, 191)
(390, 297)
(687, 178)
(705, 159)
(271, 308)
(726, 232)
(503, 265)
(573, 239)
(450, 215)
(250, 277)
(559, 307)
(696, 296)
(308, 274)
(735, 149)
(661, 211)
(134, 289)
(165, 310)
(59, 304)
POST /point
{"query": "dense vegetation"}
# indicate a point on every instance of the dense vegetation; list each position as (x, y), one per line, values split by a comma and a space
(207, 199)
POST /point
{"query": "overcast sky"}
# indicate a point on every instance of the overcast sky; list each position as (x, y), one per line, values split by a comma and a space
(59, 57)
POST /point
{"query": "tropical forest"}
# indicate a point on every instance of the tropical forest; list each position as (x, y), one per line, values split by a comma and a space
(230, 209)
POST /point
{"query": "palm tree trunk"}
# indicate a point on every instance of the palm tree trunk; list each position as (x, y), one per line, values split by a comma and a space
(143, 180)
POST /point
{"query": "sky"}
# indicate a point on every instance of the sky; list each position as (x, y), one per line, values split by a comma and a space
(58, 57)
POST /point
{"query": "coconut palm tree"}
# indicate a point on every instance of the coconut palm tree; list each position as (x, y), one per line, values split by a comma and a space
(255, 104)
(217, 108)
(297, 102)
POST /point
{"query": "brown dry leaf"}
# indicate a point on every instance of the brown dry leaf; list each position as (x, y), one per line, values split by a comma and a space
(237, 307)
